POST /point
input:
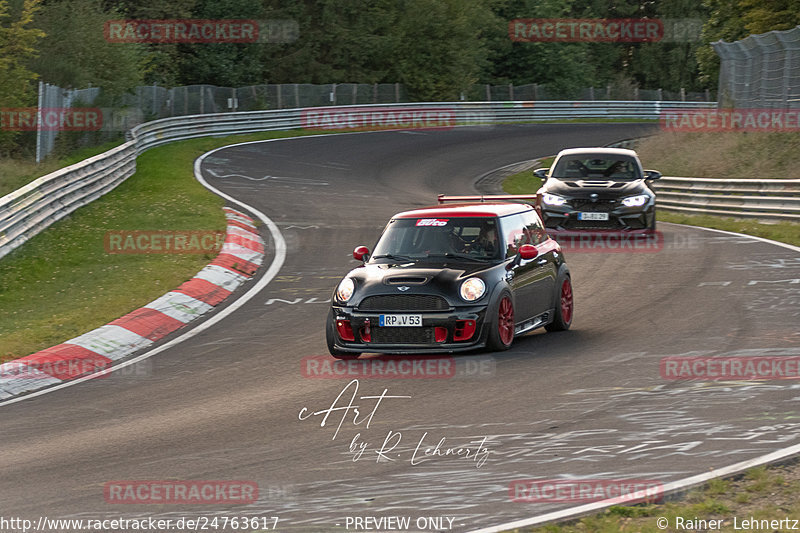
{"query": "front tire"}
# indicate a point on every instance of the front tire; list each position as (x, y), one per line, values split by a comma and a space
(565, 305)
(330, 337)
(501, 323)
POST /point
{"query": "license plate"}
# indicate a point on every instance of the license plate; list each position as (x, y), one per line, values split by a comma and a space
(395, 321)
(592, 216)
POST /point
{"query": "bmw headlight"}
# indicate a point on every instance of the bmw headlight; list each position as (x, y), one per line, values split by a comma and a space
(552, 199)
(635, 201)
(345, 290)
(472, 289)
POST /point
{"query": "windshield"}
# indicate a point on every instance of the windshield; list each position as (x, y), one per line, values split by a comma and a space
(421, 238)
(596, 166)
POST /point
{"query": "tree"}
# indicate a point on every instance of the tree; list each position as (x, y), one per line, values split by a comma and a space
(75, 53)
(17, 46)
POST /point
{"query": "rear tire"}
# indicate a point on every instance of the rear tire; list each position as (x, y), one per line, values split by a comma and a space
(565, 305)
(331, 337)
(501, 323)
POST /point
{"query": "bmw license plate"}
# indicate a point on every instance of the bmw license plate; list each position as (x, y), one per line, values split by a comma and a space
(592, 216)
(400, 321)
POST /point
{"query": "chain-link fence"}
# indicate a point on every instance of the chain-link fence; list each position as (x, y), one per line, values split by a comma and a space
(150, 102)
(761, 71)
(535, 91)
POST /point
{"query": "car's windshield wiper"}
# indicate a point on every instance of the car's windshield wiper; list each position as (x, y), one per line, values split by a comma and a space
(451, 255)
(395, 257)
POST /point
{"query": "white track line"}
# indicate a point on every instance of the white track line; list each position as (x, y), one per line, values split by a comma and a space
(674, 486)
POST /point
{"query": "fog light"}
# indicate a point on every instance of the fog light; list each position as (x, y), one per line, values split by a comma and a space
(345, 330)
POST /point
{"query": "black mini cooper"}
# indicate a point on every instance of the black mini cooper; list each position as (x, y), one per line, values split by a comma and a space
(597, 189)
(452, 278)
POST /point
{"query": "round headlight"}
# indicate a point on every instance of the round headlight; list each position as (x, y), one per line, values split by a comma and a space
(472, 289)
(345, 290)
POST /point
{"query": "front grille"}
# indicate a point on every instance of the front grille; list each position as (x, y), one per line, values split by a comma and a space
(601, 206)
(404, 302)
(592, 224)
(402, 336)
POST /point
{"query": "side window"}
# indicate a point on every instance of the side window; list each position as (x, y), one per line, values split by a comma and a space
(534, 228)
(514, 233)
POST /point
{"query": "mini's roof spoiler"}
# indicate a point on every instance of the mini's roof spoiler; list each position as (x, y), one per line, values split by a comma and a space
(486, 197)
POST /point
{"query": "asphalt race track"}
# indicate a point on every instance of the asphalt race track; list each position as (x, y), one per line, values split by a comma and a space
(587, 403)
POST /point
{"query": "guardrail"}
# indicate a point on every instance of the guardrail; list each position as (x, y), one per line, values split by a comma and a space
(29, 210)
(767, 199)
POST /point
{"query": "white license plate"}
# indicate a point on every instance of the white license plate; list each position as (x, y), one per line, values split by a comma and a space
(592, 216)
(400, 321)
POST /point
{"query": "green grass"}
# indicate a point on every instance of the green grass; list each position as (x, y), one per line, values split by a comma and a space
(769, 496)
(62, 283)
(525, 182)
(15, 173)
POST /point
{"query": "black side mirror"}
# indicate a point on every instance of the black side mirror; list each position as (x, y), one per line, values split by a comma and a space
(652, 174)
(541, 173)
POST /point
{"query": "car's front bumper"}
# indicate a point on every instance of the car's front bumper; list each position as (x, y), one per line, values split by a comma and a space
(619, 217)
(410, 340)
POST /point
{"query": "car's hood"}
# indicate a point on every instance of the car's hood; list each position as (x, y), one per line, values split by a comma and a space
(413, 278)
(585, 188)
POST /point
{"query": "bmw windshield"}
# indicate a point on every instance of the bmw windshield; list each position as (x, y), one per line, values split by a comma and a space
(596, 166)
(415, 239)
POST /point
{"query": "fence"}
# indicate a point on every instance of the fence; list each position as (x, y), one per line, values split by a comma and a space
(761, 71)
(150, 102)
(29, 210)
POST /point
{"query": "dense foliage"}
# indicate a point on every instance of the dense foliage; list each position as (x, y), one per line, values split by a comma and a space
(437, 48)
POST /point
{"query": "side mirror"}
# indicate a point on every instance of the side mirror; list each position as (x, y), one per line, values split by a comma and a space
(541, 173)
(361, 253)
(528, 251)
(652, 174)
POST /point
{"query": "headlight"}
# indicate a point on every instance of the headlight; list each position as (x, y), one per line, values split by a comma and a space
(472, 289)
(552, 199)
(635, 201)
(345, 290)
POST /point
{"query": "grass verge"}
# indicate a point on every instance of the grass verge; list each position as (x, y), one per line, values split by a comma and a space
(760, 493)
(15, 173)
(731, 154)
(62, 283)
(525, 182)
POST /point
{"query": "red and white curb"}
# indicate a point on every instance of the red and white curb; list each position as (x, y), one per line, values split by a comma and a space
(241, 255)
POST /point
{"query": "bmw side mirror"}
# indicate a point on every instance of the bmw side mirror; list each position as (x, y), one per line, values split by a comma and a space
(361, 254)
(541, 173)
(652, 174)
(528, 251)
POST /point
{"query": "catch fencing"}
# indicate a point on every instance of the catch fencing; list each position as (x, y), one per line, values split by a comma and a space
(29, 210)
(761, 71)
